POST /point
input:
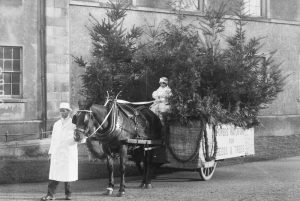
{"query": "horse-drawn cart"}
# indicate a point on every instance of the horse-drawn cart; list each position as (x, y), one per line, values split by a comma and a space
(120, 128)
(198, 149)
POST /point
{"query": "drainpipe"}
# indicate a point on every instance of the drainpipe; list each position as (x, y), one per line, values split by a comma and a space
(42, 32)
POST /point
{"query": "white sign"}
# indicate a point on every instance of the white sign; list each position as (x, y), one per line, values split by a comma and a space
(234, 142)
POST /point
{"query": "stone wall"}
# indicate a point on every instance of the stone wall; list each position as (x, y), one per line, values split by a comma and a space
(33, 148)
(19, 27)
(285, 10)
(27, 161)
(57, 31)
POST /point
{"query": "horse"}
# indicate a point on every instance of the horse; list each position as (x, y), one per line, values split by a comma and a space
(112, 125)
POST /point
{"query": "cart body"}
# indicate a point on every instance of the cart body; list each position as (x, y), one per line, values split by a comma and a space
(189, 152)
(186, 148)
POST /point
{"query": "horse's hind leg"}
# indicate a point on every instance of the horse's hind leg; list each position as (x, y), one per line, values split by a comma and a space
(123, 159)
(148, 170)
(110, 168)
(145, 169)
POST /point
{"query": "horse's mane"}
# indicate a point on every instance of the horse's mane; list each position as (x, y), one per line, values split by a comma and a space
(84, 104)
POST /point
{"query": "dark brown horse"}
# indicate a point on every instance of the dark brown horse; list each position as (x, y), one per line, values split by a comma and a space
(113, 125)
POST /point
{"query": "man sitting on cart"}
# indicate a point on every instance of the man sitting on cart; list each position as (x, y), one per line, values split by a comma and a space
(161, 104)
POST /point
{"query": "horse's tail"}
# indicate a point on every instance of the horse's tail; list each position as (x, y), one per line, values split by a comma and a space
(92, 150)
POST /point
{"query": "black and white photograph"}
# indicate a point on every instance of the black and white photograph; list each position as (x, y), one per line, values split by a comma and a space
(143, 100)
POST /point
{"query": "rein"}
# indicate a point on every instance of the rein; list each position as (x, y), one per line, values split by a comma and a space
(133, 103)
(110, 111)
(105, 119)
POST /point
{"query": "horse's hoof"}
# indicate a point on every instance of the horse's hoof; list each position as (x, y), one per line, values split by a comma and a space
(109, 191)
(148, 186)
(142, 185)
(121, 193)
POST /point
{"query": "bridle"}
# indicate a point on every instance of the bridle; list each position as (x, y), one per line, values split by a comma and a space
(80, 130)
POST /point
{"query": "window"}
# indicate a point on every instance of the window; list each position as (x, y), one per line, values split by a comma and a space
(10, 71)
(101, 1)
(253, 7)
(188, 5)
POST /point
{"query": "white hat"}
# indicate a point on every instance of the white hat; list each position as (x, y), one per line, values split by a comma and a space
(163, 80)
(65, 105)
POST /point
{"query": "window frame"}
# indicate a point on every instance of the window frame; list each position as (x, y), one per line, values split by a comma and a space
(200, 6)
(264, 8)
(20, 95)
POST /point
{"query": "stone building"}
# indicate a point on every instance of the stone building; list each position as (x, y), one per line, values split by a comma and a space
(20, 63)
(39, 37)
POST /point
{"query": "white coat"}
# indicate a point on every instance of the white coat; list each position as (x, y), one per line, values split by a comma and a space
(64, 152)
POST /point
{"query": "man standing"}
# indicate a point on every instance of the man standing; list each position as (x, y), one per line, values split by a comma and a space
(63, 154)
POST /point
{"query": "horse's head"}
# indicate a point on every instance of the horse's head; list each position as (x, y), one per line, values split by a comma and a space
(83, 121)
(89, 121)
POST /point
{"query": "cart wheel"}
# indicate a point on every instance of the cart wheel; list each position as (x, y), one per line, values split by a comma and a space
(206, 173)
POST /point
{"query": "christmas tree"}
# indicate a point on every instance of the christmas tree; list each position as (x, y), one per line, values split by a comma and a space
(113, 68)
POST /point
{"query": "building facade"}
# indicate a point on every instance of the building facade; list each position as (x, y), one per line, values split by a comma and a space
(39, 37)
(20, 75)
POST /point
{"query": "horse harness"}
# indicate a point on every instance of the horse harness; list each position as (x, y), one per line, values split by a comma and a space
(114, 129)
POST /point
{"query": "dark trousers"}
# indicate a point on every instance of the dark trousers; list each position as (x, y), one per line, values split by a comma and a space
(53, 185)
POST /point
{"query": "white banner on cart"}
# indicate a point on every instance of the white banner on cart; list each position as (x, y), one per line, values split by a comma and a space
(234, 141)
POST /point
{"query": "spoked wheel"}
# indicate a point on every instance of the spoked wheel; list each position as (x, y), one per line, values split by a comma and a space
(207, 172)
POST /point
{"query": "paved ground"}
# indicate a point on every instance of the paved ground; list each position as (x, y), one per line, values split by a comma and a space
(276, 180)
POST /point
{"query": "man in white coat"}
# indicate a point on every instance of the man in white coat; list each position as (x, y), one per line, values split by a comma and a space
(63, 154)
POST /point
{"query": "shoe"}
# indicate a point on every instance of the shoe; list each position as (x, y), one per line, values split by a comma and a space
(47, 197)
(68, 197)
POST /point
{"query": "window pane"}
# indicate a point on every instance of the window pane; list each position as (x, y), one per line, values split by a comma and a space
(1, 65)
(15, 89)
(7, 89)
(16, 53)
(186, 5)
(8, 52)
(1, 80)
(7, 78)
(1, 85)
(253, 7)
(15, 78)
(7, 65)
(1, 52)
(1, 90)
(154, 3)
(16, 65)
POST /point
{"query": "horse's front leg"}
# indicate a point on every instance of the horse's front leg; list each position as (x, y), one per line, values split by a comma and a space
(110, 168)
(123, 160)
